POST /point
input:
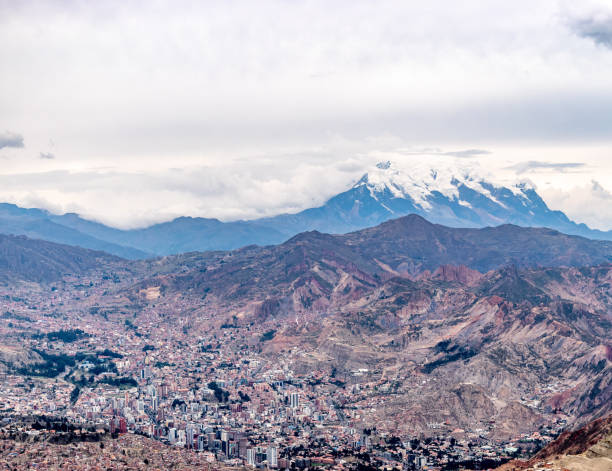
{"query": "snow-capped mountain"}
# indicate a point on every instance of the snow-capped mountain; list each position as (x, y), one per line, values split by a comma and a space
(429, 190)
(456, 197)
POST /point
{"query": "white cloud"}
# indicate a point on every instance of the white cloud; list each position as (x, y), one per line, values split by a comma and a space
(239, 109)
(181, 78)
(588, 203)
(232, 191)
(535, 165)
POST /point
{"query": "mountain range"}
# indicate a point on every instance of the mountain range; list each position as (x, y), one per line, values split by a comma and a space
(314, 269)
(504, 324)
(486, 321)
(24, 259)
(407, 247)
(444, 195)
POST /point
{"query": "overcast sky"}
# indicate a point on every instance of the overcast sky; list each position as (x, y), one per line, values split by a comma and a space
(136, 112)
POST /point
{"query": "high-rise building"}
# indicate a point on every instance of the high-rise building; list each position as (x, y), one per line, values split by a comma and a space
(189, 436)
(232, 449)
(272, 456)
(202, 442)
(242, 447)
(294, 400)
(250, 456)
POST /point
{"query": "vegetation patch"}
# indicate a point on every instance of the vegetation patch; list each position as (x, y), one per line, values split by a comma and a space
(66, 336)
(269, 335)
(461, 353)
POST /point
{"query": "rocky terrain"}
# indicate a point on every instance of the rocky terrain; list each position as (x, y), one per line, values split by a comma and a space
(484, 354)
(460, 317)
(314, 271)
(24, 259)
(125, 452)
(413, 328)
(15, 357)
(588, 448)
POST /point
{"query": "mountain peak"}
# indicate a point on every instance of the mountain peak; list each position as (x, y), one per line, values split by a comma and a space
(446, 193)
(411, 220)
(422, 182)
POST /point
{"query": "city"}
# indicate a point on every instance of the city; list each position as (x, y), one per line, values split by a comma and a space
(234, 406)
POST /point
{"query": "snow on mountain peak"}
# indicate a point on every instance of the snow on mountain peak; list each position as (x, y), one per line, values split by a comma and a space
(419, 181)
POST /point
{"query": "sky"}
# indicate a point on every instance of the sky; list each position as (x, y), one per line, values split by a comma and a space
(134, 112)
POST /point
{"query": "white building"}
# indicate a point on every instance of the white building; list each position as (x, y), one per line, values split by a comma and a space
(251, 456)
(272, 456)
(294, 400)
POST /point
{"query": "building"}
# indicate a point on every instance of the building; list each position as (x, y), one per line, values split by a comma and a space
(294, 400)
(250, 456)
(272, 456)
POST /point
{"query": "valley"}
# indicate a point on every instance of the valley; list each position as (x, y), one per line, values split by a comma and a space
(409, 344)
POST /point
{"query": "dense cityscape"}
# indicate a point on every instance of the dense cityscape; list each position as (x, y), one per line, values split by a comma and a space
(231, 406)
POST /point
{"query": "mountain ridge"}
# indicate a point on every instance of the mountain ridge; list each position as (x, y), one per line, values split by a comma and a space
(446, 196)
(410, 247)
(24, 259)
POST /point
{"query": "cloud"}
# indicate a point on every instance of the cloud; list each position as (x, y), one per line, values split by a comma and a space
(523, 167)
(450, 73)
(597, 28)
(600, 191)
(467, 153)
(10, 139)
(233, 191)
(46, 155)
(589, 203)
